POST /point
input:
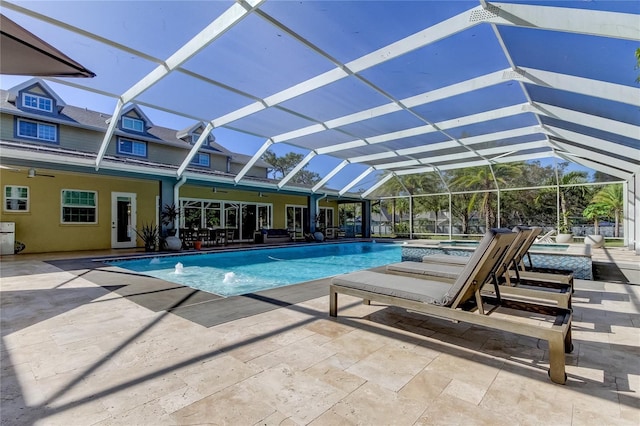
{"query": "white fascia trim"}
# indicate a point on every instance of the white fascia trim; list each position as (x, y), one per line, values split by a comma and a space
(572, 20)
(355, 181)
(253, 160)
(329, 175)
(589, 141)
(296, 169)
(56, 159)
(588, 120)
(377, 185)
(203, 137)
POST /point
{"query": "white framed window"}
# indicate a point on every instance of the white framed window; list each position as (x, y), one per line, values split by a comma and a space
(16, 198)
(79, 206)
(129, 147)
(36, 130)
(200, 159)
(37, 102)
(134, 124)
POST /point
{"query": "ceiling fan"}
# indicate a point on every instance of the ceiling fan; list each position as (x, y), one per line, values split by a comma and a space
(31, 173)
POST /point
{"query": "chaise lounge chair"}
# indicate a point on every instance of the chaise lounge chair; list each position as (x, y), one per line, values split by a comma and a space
(519, 274)
(461, 300)
(546, 238)
(540, 287)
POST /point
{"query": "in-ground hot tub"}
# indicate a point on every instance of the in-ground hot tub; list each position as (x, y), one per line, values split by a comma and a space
(576, 258)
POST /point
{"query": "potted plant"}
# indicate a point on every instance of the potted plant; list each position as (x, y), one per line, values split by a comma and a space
(149, 235)
(595, 212)
(564, 231)
(169, 215)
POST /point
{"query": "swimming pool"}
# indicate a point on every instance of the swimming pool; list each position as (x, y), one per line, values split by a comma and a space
(242, 272)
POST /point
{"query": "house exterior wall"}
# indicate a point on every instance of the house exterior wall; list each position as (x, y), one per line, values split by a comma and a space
(278, 201)
(260, 172)
(76, 139)
(41, 230)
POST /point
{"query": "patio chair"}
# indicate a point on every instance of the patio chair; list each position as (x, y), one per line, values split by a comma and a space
(539, 287)
(461, 300)
(546, 238)
(518, 274)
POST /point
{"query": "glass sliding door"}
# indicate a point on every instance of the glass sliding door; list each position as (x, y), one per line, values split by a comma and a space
(296, 220)
(249, 221)
(264, 216)
(213, 214)
(231, 212)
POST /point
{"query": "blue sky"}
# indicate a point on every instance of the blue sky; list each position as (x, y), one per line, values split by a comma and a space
(271, 62)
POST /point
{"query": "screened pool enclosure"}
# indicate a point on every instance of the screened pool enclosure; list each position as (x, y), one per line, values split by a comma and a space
(442, 117)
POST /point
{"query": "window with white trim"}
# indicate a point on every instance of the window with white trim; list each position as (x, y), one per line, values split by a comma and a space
(134, 124)
(37, 102)
(16, 198)
(37, 130)
(200, 159)
(79, 206)
(129, 147)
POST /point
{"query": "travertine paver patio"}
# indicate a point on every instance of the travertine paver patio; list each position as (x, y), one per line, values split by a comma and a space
(76, 353)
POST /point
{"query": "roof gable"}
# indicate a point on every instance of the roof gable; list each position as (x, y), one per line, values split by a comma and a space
(35, 85)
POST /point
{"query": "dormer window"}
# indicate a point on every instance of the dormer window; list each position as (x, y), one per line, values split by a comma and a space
(37, 102)
(134, 124)
(201, 160)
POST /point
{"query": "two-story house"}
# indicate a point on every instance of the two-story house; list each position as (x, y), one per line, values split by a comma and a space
(61, 201)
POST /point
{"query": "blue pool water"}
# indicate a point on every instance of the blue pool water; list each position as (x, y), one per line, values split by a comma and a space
(242, 272)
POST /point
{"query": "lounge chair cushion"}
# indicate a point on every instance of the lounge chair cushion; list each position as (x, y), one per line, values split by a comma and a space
(416, 289)
(446, 258)
(430, 269)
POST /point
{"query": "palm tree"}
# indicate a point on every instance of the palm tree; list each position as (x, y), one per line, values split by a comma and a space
(612, 199)
(481, 178)
(566, 193)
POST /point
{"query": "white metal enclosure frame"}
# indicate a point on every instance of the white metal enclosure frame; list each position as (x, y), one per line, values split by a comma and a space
(410, 99)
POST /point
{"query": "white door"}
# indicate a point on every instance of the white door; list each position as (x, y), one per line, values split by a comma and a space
(123, 220)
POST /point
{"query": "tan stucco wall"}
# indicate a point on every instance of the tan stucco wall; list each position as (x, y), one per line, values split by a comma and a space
(41, 229)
